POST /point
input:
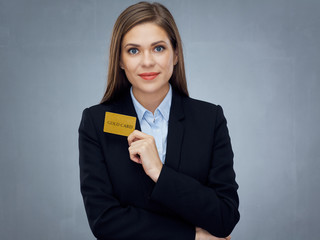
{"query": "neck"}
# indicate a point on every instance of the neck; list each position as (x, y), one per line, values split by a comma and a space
(150, 101)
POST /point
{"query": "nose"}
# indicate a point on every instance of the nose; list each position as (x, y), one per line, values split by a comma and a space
(147, 59)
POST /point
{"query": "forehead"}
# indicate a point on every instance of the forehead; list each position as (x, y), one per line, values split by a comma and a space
(145, 34)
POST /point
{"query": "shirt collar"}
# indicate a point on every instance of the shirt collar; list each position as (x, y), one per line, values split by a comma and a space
(163, 108)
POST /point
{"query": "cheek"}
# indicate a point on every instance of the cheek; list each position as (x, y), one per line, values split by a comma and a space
(167, 62)
(131, 69)
(130, 64)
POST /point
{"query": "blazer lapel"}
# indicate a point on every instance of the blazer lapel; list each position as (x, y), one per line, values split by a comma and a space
(125, 106)
(174, 138)
(175, 132)
(175, 125)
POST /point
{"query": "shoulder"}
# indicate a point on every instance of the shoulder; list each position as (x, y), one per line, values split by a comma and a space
(112, 106)
(200, 107)
(95, 114)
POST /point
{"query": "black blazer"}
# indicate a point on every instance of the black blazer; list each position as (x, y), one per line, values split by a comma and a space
(196, 186)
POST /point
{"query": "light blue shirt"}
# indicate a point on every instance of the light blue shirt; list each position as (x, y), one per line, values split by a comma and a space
(155, 125)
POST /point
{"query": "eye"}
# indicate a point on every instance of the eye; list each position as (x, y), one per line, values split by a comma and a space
(159, 48)
(133, 51)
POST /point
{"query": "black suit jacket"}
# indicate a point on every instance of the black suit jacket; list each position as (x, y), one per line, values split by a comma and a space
(196, 186)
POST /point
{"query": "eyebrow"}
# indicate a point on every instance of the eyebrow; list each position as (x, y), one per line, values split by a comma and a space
(137, 45)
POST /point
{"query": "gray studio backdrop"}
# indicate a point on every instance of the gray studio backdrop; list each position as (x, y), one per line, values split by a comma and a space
(258, 59)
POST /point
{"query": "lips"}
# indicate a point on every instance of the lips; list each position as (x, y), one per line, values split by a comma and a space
(149, 76)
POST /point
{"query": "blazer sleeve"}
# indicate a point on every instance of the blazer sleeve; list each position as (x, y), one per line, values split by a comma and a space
(107, 218)
(213, 206)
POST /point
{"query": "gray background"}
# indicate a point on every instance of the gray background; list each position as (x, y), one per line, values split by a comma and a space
(258, 59)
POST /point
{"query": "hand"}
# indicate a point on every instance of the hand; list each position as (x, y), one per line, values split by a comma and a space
(143, 150)
(202, 234)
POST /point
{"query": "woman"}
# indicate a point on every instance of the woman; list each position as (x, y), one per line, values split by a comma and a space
(172, 177)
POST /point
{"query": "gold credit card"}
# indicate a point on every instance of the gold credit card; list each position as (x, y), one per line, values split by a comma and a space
(119, 124)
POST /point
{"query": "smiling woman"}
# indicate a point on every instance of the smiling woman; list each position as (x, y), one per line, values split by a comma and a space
(148, 58)
(168, 179)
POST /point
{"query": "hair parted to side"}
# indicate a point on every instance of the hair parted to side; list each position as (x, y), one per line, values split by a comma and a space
(139, 13)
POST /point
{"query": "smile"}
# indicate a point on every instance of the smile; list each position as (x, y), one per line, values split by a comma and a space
(149, 76)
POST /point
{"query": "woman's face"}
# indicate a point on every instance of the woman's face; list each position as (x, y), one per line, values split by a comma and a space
(148, 58)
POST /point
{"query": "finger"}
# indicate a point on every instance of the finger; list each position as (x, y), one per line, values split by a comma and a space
(136, 135)
(134, 155)
(137, 143)
(133, 137)
(228, 238)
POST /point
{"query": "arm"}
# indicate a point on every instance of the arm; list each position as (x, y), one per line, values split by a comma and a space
(107, 218)
(214, 206)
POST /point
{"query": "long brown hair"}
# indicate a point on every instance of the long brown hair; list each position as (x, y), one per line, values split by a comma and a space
(139, 13)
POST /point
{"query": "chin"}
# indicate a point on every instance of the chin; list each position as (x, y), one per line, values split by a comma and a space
(152, 88)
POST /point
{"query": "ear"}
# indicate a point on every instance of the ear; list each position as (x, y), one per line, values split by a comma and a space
(121, 65)
(175, 58)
